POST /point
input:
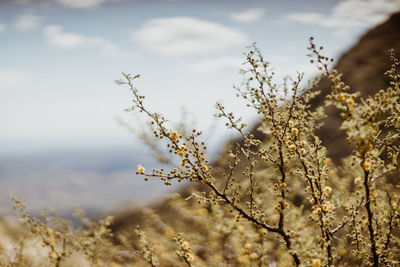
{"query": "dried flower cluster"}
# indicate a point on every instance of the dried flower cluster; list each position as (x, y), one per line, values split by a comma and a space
(279, 199)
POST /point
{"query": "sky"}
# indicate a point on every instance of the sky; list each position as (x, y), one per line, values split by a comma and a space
(62, 142)
(59, 60)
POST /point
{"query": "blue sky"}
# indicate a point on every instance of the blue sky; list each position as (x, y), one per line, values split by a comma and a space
(59, 59)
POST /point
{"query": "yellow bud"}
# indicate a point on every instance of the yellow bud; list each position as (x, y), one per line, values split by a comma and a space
(293, 147)
(350, 101)
(357, 181)
(174, 134)
(295, 131)
(367, 164)
(327, 206)
(372, 192)
(185, 245)
(316, 263)
(140, 169)
(316, 211)
(328, 189)
(341, 97)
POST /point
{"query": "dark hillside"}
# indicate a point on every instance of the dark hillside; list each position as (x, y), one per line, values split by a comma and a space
(363, 67)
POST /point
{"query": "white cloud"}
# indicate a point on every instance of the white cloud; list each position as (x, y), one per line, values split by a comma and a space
(350, 13)
(11, 79)
(56, 37)
(179, 35)
(222, 64)
(249, 15)
(80, 3)
(28, 21)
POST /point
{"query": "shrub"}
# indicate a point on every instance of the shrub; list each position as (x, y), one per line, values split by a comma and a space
(278, 199)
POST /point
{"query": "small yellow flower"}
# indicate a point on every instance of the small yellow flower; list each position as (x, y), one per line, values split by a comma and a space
(174, 134)
(204, 168)
(372, 192)
(293, 147)
(185, 245)
(295, 131)
(303, 151)
(181, 153)
(140, 169)
(182, 163)
(264, 158)
(367, 164)
(357, 181)
(316, 211)
(316, 263)
(350, 101)
(183, 147)
(341, 97)
(309, 189)
(327, 206)
(282, 185)
(328, 189)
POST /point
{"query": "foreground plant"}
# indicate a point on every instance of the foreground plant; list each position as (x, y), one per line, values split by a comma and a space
(276, 199)
(285, 185)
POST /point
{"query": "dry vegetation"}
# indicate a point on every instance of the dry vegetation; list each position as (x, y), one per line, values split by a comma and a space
(279, 199)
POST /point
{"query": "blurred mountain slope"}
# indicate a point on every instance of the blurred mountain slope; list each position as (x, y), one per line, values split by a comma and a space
(363, 67)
